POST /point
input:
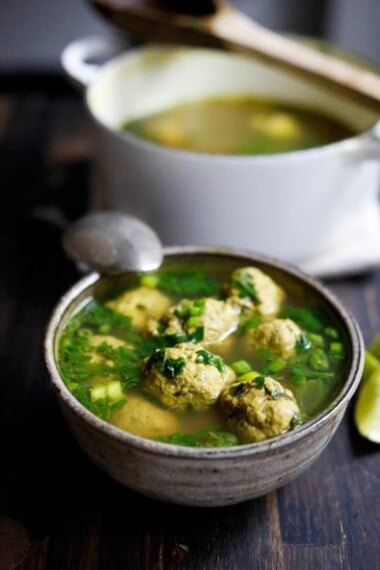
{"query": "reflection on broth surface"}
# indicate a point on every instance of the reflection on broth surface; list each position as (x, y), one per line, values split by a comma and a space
(204, 352)
(238, 125)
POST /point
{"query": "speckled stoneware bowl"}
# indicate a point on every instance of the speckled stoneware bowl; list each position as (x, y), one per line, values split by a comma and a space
(205, 477)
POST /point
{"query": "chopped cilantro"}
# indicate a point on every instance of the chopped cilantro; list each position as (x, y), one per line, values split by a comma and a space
(247, 322)
(245, 287)
(259, 382)
(190, 282)
(303, 343)
(308, 319)
(301, 373)
(210, 437)
(206, 357)
(177, 338)
(298, 419)
(168, 367)
(103, 319)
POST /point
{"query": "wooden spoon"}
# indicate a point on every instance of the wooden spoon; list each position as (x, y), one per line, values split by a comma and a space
(213, 23)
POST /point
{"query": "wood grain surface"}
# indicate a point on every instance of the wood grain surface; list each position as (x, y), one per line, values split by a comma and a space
(58, 511)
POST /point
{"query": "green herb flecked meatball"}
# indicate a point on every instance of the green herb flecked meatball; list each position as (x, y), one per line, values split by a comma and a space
(217, 319)
(254, 291)
(258, 409)
(185, 375)
(278, 336)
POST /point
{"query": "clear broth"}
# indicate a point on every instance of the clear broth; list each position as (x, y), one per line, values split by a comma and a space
(312, 395)
(239, 125)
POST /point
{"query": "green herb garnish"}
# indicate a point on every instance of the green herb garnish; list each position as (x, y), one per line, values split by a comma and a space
(259, 382)
(303, 343)
(190, 282)
(210, 437)
(318, 360)
(308, 319)
(240, 367)
(247, 323)
(298, 419)
(168, 367)
(206, 357)
(245, 287)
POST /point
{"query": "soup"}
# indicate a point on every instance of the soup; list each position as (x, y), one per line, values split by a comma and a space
(238, 125)
(205, 352)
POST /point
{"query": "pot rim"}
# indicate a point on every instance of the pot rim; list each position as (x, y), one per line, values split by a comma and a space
(154, 447)
(344, 145)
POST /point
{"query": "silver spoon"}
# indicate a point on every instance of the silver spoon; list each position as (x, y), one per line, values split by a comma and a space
(113, 242)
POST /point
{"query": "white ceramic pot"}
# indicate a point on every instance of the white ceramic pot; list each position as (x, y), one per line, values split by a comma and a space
(290, 205)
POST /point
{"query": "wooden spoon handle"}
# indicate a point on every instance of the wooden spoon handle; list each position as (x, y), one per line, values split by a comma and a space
(229, 29)
(238, 33)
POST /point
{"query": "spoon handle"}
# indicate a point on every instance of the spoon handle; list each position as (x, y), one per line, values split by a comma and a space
(229, 29)
(240, 34)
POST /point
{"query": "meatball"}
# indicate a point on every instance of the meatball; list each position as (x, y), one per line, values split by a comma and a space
(185, 375)
(258, 409)
(144, 418)
(217, 319)
(141, 304)
(254, 291)
(279, 336)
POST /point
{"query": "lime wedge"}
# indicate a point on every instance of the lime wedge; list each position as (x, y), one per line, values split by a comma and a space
(374, 347)
(371, 363)
(367, 408)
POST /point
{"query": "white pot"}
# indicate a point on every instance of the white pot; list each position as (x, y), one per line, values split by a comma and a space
(290, 205)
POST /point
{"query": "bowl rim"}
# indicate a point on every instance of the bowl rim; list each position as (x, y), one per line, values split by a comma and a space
(155, 447)
(134, 53)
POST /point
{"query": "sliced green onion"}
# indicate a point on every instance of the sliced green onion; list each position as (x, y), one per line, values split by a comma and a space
(150, 281)
(276, 365)
(337, 350)
(241, 367)
(331, 332)
(193, 322)
(318, 360)
(316, 340)
(111, 390)
(248, 376)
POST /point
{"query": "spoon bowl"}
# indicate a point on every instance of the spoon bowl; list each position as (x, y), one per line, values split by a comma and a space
(113, 242)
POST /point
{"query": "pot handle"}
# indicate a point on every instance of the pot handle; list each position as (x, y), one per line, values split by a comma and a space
(82, 58)
(367, 146)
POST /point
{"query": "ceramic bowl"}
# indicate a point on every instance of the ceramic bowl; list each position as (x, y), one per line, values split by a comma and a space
(205, 477)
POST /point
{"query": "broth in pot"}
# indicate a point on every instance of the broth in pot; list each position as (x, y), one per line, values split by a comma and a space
(238, 125)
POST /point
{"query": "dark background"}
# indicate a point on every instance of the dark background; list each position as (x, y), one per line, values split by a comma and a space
(34, 32)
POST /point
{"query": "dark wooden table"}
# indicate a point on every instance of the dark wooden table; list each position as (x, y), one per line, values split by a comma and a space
(58, 511)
